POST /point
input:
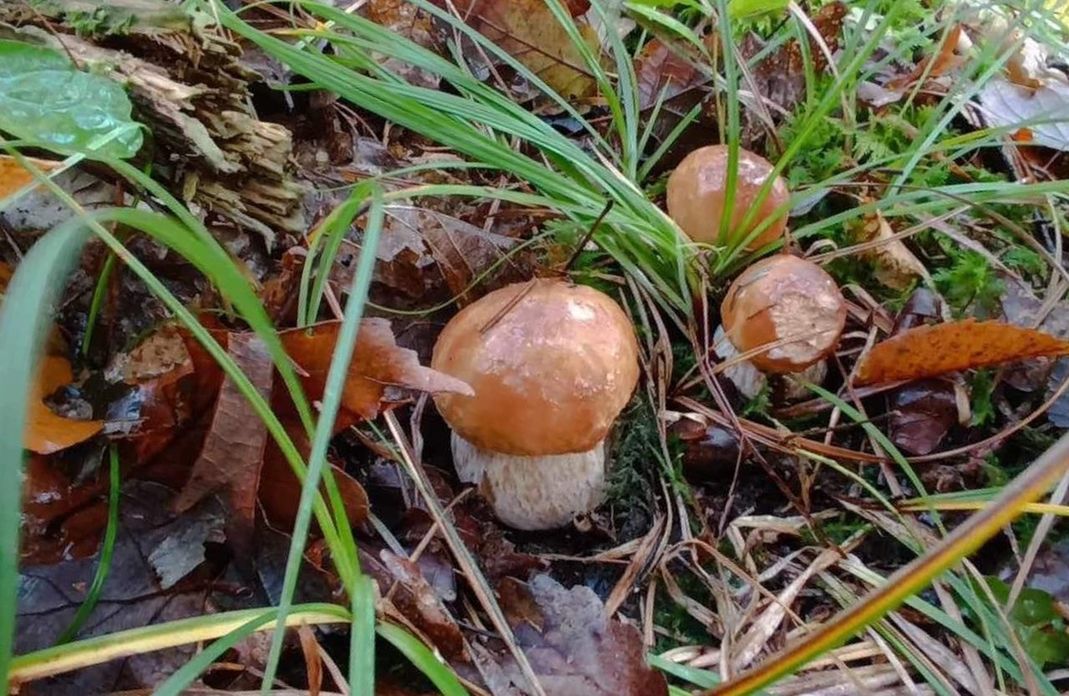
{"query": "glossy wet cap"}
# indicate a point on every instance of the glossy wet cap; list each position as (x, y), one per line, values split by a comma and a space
(552, 365)
(784, 297)
(697, 190)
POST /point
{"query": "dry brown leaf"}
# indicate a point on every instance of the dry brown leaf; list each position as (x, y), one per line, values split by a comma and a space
(573, 647)
(13, 176)
(378, 362)
(929, 351)
(233, 450)
(1041, 115)
(896, 266)
(530, 33)
(47, 432)
(403, 582)
(280, 491)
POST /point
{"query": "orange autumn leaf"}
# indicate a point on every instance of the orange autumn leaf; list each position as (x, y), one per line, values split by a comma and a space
(13, 176)
(377, 363)
(47, 432)
(928, 351)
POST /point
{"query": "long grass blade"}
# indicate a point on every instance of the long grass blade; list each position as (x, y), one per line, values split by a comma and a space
(336, 377)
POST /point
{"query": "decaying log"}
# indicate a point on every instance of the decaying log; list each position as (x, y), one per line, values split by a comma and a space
(189, 88)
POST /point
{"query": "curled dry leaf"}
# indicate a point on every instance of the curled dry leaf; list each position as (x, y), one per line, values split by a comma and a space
(1042, 114)
(929, 351)
(529, 32)
(47, 432)
(896, 266)
(378, 362)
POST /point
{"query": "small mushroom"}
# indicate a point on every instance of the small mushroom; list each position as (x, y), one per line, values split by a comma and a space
(790, 303)
(552, 365)
(698, 186)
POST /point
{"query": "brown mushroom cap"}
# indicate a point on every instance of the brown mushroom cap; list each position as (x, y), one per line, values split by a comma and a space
(783, 297)
(696, 191)
(552, 365)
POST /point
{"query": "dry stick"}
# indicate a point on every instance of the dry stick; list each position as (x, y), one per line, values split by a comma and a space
(911, 578)
(463, 556)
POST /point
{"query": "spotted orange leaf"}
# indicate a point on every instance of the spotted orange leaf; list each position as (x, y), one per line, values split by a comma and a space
(927, 351)
(47, 432)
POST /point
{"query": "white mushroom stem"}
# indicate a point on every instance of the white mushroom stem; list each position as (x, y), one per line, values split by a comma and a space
(533, 493)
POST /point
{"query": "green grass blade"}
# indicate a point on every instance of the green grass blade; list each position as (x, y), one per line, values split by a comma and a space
(424, 660)
(25, 316)
(362, 639)
(106, 548)
(177, 683)
(336, 377)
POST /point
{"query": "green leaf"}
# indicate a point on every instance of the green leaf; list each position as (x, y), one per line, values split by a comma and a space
(46, 101)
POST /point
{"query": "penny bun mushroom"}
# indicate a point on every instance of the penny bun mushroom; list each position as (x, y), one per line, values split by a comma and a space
(782, 298)
(552, 365)
(698, 186)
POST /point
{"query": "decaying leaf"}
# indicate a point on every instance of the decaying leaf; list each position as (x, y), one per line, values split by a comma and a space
(47, 432)
(896, 266)
(409, 21)
(666, 78)
(929, 351)
(781, 76)
(427, 257)
(1042, 112)
(572, 646)
(233, 449)
(133, 596)
(13, 176)
(280, 489)
(378, 362)
(921, 415)
(528, 30)
(417, 600)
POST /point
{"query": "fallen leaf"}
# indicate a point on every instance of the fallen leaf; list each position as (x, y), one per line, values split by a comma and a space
(896, 266)
(921, 415)
(528, 31)
(417, 600)
(572, 646)
(133, 595)
(929, 351)
(313, 663)
(13, 176)
(233, 449)
(47, 432)
(781, 76)
(378, 362)
(665, 77)
(405, 19)
(710, 452)
(280, 490)
(426, 256)
(1044, 111)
